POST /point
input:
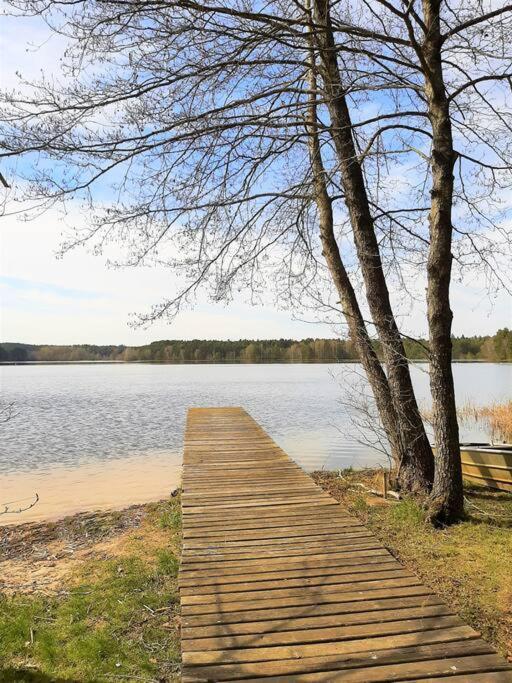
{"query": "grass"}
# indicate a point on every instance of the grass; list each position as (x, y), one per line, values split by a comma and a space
(495, 419)
(116, 616)
(498, 418)
(114, 619)
(467, 564)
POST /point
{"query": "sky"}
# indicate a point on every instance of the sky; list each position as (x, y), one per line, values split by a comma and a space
(78, 299)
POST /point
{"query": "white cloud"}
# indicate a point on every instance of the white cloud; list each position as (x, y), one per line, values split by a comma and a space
(27, 48)
(78, 300)
(42, 308)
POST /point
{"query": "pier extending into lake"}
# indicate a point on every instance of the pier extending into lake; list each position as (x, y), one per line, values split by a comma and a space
(279, 583)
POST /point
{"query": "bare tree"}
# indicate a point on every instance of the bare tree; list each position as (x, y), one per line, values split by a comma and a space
(421, 48)
(447, 494)
(245, 144)
(401, 450)
(451, 62)
(416, 469)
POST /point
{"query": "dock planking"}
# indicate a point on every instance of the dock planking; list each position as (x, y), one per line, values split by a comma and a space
(278, 583)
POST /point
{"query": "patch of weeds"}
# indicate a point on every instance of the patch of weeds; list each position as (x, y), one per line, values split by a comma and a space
(359, 506)
(408, 513)
(168, 563)
(115, 618)
(170, 518)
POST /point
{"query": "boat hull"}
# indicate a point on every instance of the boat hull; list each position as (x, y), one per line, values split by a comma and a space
(489, 466)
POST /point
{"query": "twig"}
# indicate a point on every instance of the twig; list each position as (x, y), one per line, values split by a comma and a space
(8, 511)
(484, 512)
(394, 494)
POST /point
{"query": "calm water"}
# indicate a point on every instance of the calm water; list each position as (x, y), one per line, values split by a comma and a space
(72, 415)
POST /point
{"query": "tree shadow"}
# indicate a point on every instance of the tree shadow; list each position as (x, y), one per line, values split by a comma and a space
(494, 495)
(31, 676)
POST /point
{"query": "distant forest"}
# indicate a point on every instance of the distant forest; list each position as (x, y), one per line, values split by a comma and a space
(489, 348)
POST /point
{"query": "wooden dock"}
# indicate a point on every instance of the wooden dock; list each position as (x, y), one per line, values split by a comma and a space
(280, 584)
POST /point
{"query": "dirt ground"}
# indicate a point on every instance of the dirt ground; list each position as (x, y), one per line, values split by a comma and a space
(40, 556)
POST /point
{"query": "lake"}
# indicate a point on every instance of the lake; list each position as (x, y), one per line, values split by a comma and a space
(120, 427)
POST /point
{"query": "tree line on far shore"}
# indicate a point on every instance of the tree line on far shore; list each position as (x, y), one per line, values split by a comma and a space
(497, 347)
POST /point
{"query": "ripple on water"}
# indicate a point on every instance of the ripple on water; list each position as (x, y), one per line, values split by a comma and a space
(70, 415)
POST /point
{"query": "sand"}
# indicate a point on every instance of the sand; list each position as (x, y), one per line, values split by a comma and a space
(101, 485)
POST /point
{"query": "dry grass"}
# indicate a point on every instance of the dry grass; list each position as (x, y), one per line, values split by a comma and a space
(468, 564)
(496, 419)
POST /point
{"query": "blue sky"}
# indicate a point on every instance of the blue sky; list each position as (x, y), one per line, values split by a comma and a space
(78, 299)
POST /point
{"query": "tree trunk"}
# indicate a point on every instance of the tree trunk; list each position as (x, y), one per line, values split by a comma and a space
(417, 466)
(447, 501)
(355, 321)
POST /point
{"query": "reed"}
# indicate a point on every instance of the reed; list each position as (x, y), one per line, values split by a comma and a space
(498, 417)
(495, 418)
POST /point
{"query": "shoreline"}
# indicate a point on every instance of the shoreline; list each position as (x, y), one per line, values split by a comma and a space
(39, 550)
(82, 598)
(333, 361)
(89, 488)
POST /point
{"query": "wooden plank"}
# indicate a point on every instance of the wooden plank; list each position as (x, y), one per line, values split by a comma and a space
(265, 504)
(318, 591)
(310, 598)
(363, 661)
(278, 583)
(335, 578)
(258, 526)
(289, 578)
(259, 555)
(247, 492)
(297, 511)
(304, 650)
(406, 597)
(463, 667)
(341, 562)
(298, 623)
(281, 539)
(189, 562)
(489, 677)
(215, 528)
(321, 635)
(216, 580)
(276, 535)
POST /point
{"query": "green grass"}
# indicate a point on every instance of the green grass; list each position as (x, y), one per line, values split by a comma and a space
(467, 564)
(171, 518)
(117, 618)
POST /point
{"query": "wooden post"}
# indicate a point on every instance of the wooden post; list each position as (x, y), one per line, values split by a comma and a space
(385, 484)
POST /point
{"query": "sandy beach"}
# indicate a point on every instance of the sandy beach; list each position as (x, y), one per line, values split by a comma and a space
(102, 485)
